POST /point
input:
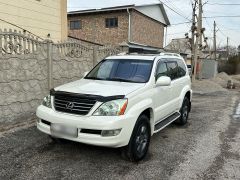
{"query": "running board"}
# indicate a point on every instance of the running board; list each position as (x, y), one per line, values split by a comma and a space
(162, 124)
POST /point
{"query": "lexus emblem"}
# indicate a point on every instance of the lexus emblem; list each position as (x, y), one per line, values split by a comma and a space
(70, 105)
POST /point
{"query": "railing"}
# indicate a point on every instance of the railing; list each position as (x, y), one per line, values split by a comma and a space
(14, 42)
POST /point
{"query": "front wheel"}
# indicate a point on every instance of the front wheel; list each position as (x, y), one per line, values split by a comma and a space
(140, 139)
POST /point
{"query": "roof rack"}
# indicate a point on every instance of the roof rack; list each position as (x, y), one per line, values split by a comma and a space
(170, 54)
(150, 54)
(135, 53)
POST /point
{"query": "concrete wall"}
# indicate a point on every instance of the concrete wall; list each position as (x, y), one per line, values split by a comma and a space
(209, 68)
(39, 17)
(29, 68)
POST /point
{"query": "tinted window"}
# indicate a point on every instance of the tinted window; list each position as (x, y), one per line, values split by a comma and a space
(75, 25)
(161, 70)
(111, 22)
(138, 71)
(181, 68)
(172, 70)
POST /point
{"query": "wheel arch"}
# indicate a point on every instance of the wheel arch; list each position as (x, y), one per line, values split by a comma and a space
(149, 113)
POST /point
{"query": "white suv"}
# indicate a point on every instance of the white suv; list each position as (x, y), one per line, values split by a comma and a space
(121, 102)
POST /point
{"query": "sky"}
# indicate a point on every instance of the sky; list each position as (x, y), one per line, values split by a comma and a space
(227, 27)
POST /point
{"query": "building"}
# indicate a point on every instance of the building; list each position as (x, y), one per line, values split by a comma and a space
(181, 46)
(138, 27)
(44, 18)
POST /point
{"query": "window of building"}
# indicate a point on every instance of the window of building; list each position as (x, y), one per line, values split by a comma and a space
(111, 22)
(75, 25)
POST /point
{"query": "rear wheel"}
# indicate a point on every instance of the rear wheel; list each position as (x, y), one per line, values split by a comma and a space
(184, 111)
(140, 139)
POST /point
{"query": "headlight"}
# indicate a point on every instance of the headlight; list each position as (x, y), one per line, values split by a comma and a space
(112, 108)
(47, 101)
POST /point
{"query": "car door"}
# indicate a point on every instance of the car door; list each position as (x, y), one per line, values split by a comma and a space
(162, 94)
(173, 72)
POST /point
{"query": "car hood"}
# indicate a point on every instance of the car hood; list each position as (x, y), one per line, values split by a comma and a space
(101, 88)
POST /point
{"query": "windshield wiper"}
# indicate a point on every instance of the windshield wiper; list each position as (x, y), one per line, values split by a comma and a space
(93, 78)
(120, 79)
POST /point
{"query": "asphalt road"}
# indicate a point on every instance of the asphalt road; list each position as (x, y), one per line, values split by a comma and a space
(208, 147)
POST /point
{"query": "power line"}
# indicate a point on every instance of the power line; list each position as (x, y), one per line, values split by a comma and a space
(224, 4)
(233, 16)
(21, 28)
(177, 9)
(32, 10)
(174, 11)
(187, 22)
(177, 33)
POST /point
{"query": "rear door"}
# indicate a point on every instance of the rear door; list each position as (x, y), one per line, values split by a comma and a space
(177, 73)
(175, 86)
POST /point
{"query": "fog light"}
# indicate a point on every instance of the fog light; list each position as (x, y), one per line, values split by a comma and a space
(107, 133)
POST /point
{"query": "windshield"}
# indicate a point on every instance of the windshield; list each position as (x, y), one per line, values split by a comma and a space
(123, 70)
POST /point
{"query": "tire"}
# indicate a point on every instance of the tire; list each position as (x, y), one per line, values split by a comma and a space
(185, 109)
(138, 145)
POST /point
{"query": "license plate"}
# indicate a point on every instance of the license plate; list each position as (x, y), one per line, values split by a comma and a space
(60, 130)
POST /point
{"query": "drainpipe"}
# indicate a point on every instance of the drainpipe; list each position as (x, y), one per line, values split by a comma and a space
(166, 33)
(129, 25)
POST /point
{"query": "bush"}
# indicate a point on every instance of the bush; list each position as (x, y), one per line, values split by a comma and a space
(231, 66)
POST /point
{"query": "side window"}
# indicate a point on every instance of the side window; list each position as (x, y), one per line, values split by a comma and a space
(172, 70)
(161, 70)
(181, 68)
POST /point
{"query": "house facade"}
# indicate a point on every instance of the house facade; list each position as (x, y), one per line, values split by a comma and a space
(136, 26)
(44, 18)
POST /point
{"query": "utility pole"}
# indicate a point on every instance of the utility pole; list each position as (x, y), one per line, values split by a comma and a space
(200, 12)
(214, 41)
(193, 29)
(198, 43)
(227, 48)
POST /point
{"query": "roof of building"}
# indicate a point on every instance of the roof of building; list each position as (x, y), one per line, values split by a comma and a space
(180, 45)
(139, 8)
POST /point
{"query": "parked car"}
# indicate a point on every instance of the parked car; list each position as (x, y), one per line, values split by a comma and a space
(189, 66)
(121, 102)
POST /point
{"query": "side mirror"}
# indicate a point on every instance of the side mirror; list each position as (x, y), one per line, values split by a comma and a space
(163, 81)
(85, 73)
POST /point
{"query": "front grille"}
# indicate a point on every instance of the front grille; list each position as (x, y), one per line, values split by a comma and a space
(69, 103)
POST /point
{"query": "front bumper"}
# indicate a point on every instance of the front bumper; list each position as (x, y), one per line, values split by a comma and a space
(125, 123)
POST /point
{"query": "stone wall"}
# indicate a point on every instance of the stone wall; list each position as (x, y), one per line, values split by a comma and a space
(29, 68)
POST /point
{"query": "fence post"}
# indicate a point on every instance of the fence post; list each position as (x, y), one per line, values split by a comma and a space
(95, 51)
(0, 41)
(50, 64)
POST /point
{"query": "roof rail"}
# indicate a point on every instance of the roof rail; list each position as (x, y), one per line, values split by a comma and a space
(170, 54)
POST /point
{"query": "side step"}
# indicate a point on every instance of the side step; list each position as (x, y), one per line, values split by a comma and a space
(162, 124)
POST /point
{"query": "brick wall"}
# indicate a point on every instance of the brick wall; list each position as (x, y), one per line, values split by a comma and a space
(145, 30)
(93, 28)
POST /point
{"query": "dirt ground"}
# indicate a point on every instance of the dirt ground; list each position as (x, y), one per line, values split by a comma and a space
(208, 147)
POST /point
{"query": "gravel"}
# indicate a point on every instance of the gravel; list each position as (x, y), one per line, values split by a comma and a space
(206, 148)
(216, 84)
